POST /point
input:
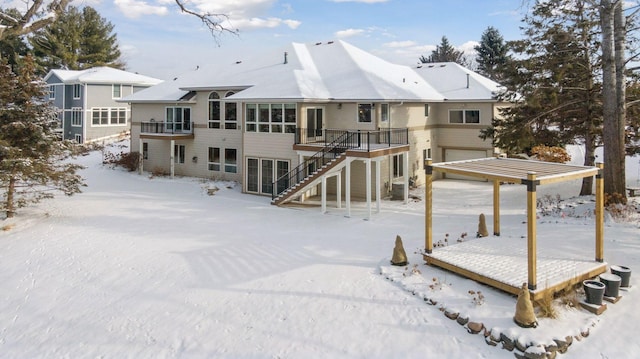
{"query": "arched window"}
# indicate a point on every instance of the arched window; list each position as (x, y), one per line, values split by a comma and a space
(214, 110)
(230, 114)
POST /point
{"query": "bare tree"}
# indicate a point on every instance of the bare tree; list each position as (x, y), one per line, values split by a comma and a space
(40, 13)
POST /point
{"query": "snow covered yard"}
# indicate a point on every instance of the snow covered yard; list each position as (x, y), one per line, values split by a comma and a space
(142, 267)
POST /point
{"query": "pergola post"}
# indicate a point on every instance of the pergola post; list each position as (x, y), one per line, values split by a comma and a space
(496, 207)
(531, 230)
(428, 211)
(600, 214)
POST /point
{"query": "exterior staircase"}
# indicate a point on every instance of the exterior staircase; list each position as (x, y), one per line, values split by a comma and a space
(306, 175)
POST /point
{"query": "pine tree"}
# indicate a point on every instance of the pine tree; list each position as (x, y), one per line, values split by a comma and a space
(492, 54)
(31, 166)
(445, 53)
(12, 47)
(81, 39)
(555, 82)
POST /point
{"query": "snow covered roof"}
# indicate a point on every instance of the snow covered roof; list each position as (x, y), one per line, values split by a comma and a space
(458, 83)
(331, 71)
(102, 75)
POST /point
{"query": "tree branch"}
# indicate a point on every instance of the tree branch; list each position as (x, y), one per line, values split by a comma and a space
(29, 22)
(212, 21)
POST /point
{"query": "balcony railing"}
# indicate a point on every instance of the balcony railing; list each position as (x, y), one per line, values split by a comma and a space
(168, 128)
(356, 139)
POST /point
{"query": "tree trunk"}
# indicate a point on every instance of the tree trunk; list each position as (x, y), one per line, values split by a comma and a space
(619, 33)
(9, 205)
(589, 160)
(609, 99)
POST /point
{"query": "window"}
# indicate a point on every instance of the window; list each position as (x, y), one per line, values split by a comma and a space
(178, 119)
(116, 90)
(104, 116)
(282, 168)
(230, 164)
(230, 117)
(145, 150)
(76, 116)
(178, 153)
(364, 112)
(398, 165)
(100, 116)
(270, 118)
(289, 118)
(276, 118)
(214, 110)
(77, 91)
(251, 118)
(252, 175)
(78, 138)
(52, 92)
(214, 159)
(464, 116)
(118, 116)
(267, 176)
(263, 172)
(384, 112)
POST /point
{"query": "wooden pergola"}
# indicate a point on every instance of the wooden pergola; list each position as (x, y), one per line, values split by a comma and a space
(526, 172)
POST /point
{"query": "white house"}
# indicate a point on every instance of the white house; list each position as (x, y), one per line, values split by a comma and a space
(325, 119)
(87, 101)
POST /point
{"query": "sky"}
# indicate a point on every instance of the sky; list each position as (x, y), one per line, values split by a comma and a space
(157, 40)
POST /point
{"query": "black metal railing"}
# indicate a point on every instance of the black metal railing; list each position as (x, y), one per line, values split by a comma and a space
(314, 163)
(166, 127)
(363, 140)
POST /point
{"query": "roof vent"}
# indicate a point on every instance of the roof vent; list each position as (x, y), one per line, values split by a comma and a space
(286, 60)
(330, 42)
(238, 62)
(468, 77)
(318, 43)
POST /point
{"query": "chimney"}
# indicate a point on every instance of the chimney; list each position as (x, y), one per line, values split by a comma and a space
(285, 57)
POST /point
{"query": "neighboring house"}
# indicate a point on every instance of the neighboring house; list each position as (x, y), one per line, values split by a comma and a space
(314, 119)
(87, 101)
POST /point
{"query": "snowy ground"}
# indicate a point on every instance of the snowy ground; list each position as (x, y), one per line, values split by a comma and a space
(139, 267)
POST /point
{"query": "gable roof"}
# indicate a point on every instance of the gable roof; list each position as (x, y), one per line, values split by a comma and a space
(331, 71)
(102, 75)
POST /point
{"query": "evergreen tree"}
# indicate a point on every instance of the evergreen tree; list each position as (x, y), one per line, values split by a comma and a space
(555, 82)
(31, 166)
(492, 54)
(81, 39)
(445, 53)
(12, 47)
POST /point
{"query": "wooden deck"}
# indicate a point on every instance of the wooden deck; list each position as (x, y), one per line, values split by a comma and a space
(502, 263)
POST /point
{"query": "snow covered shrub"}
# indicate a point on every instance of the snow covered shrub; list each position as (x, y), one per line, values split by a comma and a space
(436, 284)
(477, 297)
(549, 205)
(128, 160)
(550, 154)
(414, 270)
(546, 307)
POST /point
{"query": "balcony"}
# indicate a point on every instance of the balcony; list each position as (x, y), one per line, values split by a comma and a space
(358, 143)
(166, 130)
